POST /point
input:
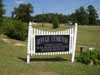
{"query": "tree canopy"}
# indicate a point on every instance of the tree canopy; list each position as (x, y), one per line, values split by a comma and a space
(47, 17)
(1, 9)
(55, 22)
(92, 14)
(23, 12)
(85, 16)
(1, 14)
(80, 16)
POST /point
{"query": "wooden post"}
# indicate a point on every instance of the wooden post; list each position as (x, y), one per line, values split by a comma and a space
(29, 43)
(81, 50)
(28, 58)
(74, 43)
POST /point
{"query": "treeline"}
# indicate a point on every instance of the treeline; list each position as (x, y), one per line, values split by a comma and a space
(84, 16)
(81, 15)
(47, 17)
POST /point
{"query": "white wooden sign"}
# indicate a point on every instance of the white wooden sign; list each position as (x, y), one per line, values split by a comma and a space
(42, 42)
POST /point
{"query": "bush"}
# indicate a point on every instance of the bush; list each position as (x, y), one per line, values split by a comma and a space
(1, 25)
(89, 56)
(98, 56)
(55, 22)
(84, 58)
(15, 29)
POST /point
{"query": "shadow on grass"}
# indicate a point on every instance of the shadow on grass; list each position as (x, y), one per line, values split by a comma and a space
(56, 59)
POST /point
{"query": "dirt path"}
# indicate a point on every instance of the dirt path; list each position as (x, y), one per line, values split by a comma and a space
(13, 42)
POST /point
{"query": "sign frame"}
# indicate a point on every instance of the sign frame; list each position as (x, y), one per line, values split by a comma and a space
(33, 32)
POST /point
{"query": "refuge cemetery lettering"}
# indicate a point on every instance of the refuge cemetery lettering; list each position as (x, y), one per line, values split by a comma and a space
(52, 43)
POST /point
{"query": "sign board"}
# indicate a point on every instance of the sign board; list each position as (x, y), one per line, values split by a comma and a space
(42, 42)
(51, 43)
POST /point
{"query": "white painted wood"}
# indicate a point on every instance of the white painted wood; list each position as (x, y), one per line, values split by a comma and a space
(74, 42)
(29, 43)
(28, 58)
(51, 53)
(32, 32)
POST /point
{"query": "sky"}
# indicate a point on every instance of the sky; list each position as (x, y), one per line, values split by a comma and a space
(65, 7)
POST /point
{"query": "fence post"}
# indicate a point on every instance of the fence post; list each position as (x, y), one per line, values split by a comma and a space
(74, 43)
(29, 43)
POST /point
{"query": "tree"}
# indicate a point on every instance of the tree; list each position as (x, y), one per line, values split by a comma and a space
(55, 22)
(80, 16)
(92, 13)
(75, 16)
(1, 15)
(83, 16)
(47, 17)
(23, 12)
(1, 11)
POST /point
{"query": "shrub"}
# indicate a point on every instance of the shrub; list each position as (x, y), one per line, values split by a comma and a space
(55, 22)
(1, 25)
(89, 56)
(98, 55)
(15, 29)
(84, 58)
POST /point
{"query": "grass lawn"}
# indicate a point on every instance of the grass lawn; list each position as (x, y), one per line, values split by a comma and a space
(13, 58)
(89, 35)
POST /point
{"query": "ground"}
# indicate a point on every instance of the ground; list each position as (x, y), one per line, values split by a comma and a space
(13, 58)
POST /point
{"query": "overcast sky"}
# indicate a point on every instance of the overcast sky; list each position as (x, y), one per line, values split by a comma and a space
(52, 6)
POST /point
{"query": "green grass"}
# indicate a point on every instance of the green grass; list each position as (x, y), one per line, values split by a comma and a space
(12, 58)
(89, 35)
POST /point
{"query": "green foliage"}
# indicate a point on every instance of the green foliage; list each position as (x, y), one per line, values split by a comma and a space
(84, 58)
(98, 55)
(1, 14)
(80, 16)
(23, 12)
(55, 22)
(0, 25)
(1, 9)
(89, 56)
(49, 16)
(15, 29)
(92, 13)
(1, 21)
(83, 16)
